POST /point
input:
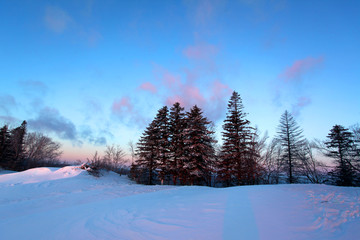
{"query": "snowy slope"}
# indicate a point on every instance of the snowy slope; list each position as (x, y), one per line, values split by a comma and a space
(67, 203)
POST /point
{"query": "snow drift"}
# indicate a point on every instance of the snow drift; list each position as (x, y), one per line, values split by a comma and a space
(67, 203)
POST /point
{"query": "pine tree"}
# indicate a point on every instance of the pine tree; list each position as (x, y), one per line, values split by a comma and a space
(146, 154)
(198, 148)
(153, 148)
(291, 141)
(341, 147)
(176, 128)
(236, 160)
(163, 151)
(17, 146)
(5, 147)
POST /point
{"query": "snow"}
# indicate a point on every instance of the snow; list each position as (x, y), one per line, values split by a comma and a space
(67, 203)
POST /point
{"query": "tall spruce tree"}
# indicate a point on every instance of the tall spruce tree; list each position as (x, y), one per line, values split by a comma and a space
(5, 147)
(236, 160)
(340, 147)
(147, 149)
(198, 148)
(17, 146)
(163, 151)
(176, 128)
(153, 148)
(291, 140)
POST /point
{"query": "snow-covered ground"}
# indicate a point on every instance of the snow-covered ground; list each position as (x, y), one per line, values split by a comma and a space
(67, 203)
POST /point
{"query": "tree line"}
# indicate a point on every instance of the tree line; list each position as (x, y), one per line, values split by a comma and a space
(20, 150)
(179, 148)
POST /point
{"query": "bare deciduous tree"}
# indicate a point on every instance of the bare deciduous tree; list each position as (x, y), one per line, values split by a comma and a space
(115, 158)
(314, 170)
(132, 148)
(272, 163)
(40, 150)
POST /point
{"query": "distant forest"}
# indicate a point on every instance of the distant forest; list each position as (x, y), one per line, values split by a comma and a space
(179, 148)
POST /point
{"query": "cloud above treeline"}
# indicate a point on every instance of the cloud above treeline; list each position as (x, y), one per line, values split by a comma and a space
(7, 102)
(300, 68)
(292, 82)
(57, 20)
(195, 85)
(49, 120)
(31, 86)
(148, 86)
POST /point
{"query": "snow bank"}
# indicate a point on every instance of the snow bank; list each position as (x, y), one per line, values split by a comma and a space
(49, 203)
(39, 175)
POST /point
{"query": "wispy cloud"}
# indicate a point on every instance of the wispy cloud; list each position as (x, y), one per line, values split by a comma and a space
(50, 120)
(212, 98)
(291, 88)
(261, 10)
(8, 120)
(125, 110)
(203, 12)
(31, 86)
(59, 21)
(7, 103)
(195, 84)
(87, 134)
(56, 19)
(148, 86)
(200, 51)
(299, 105)
(122, 106)
(299, 68)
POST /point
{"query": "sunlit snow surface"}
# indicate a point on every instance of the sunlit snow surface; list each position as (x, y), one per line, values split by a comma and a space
(67, 203)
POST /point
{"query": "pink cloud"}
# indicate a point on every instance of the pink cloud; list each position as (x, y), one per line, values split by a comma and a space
(212, 99)
(218, 100)
(220, 90)
(56, 19)
(204, 11)
(187, 95)
(193, 93)
(122, 105)
(195, 85)
(303, 101)
(173, 99)
(126, 111)
(171, 80)
(300, 67)
(200, 51)
(148, 86)
(184, 92)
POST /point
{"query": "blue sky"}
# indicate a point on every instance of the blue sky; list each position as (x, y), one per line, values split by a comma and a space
(91, 73)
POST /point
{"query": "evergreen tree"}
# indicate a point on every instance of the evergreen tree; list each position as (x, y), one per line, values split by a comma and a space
(5, 147)
(291, 141)
(17, 146)
(198, 148)
(355, 129)
(153, 148)
(146, 154)
(341, 147)
(176, 128)
(163, 151)
(236, 159)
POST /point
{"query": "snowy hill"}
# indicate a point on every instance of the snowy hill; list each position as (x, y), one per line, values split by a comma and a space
(67, 203)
